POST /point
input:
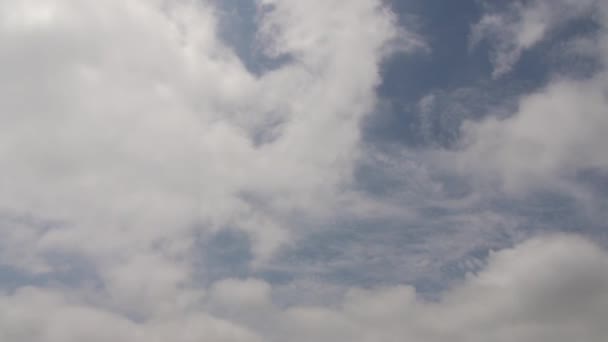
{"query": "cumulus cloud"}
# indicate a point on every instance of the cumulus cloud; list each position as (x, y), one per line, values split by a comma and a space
(547, 289)
(129, 127)
(556, 131)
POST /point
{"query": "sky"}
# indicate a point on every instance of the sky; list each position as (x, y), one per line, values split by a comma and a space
(287, 170)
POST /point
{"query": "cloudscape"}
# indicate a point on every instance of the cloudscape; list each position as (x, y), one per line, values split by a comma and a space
(303, 170)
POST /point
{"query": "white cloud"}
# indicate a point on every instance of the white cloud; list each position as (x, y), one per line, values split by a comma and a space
(547, 289)
(137, 122)
(556, 131)
(47, 316)
(127, 130)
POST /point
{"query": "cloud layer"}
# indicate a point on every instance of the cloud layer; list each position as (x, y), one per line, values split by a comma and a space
(547, 289)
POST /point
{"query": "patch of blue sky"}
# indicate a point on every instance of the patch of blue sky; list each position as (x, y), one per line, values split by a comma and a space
(458, 76)
(238, 27)
(225, 254)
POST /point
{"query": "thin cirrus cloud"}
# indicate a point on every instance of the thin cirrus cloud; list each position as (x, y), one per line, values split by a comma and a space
(136, 134)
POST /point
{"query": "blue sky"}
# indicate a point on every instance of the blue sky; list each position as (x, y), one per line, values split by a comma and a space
(271, 170)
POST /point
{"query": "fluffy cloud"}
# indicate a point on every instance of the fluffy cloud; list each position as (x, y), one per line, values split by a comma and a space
(556, 131)
(547, 289)
(130, 128)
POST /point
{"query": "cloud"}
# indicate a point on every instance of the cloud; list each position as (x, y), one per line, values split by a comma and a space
(132, 134)
(131, 129)
(136, 128)
(556, 131)
(552, 288)
(524, 24)
(47, 316)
